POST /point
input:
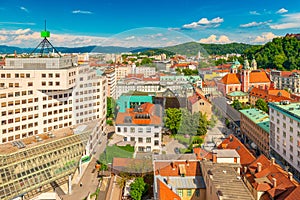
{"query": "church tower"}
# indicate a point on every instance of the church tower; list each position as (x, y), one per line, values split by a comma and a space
(253, 64)
(234, 67)
(245, 76)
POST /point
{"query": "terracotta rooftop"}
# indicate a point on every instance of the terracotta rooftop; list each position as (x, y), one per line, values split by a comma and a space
(233, 143)
(172, 168)
(230, 78)
(202, 154)
(164, 192)
(259, 77)
(271, 95)
(146, 114)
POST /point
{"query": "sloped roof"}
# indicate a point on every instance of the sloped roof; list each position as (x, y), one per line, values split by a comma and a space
(232, 142)
(164, 192)
(231, 78)
(259, 77)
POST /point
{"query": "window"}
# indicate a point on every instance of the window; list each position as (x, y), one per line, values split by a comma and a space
(180, 193)
(284, 134)
(57, 75)
(43, 75)
(140, 140)
(291, 129)
(156, 135)
(132, 129)
(132, 139)
(50, 75)
(30, 84)
(119, 129)
(148, 140)
(291, 139)
(57, 83)
(43, 83)
(156, 142)
(189, 192)
(125, 129)
(140, 130)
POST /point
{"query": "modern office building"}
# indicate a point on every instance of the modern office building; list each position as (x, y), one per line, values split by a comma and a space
(285, 134)
(111, 82)
(53, 113)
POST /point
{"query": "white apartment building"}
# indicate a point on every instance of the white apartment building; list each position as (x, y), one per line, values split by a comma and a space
(285, 134)
(122, 71)
(38, 95)
(111, 80)
(142, 126)
(287, 80)
(146, 71)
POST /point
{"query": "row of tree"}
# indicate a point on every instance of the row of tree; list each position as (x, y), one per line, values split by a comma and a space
(181, 121)
(259, 104)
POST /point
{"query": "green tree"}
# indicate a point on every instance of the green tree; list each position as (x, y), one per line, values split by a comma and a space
(262, 105)
(172, 119)
(110, 107)
(237, 104)
(203, 124)
(137, 188)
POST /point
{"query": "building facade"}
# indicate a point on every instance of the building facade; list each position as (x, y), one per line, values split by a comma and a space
(39, 95)
(142, 125)
(111, 82)
(285, 134)
(287, 80)
(255, 129)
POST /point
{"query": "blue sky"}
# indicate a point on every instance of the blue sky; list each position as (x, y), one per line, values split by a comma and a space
(80, 23)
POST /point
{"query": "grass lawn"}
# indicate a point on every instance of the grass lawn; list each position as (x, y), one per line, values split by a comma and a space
(115, 151)
(189, 140)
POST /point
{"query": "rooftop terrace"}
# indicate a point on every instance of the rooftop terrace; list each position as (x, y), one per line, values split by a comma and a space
(258, 117)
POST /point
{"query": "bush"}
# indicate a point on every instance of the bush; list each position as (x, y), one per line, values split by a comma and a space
(109, 122)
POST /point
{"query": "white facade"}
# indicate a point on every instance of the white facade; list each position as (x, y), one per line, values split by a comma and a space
(146, 71)
(147, 138)
(38, 95)
(111, 82)
(285, 134)
(122, 71)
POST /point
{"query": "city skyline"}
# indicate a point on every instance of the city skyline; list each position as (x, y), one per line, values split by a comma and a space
(91, 23)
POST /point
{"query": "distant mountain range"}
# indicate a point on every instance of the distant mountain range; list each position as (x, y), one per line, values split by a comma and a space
(189, 49)
(97, 49)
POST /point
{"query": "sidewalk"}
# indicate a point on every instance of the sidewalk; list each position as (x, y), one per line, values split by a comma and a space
(89, 182)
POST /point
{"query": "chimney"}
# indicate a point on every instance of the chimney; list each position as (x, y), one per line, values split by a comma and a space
(274, 182)
(259, 167)
(230, 138)
(173, 165)
(245, 169)
(168, 180)
(272, 161)
(290, 176)
(214, 157)
(238, 171)
(187, 163)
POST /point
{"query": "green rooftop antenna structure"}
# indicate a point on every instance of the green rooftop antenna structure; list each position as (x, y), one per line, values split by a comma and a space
(45, 46)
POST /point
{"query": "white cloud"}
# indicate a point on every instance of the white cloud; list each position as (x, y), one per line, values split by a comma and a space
(82, 12)
(254, 24)
(18, 23)
(282, 10)
(204, 23)
(214, 39)
(130, 37)
(24, 9)
(288, 21)
(265, 37)
(254, 13)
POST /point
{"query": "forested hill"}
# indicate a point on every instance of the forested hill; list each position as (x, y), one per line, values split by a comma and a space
(281, 53)
(192, 48)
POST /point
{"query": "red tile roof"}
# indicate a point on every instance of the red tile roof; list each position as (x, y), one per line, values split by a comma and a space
(259, 77)
(164, 168)
(165, 193)
(270, 95)
(201, 154)
(231, 78)
(147, 108)
(233, 143)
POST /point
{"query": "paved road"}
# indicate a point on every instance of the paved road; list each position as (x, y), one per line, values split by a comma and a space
(230, 112)
(170, 146)
(215, 136)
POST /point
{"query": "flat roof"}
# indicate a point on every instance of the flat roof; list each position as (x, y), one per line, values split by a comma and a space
(225, 179)
(259, 117)
(237, 94)
(188, 182)
(175, 157)
(32, 141)
(290, 109)
(226, 153)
